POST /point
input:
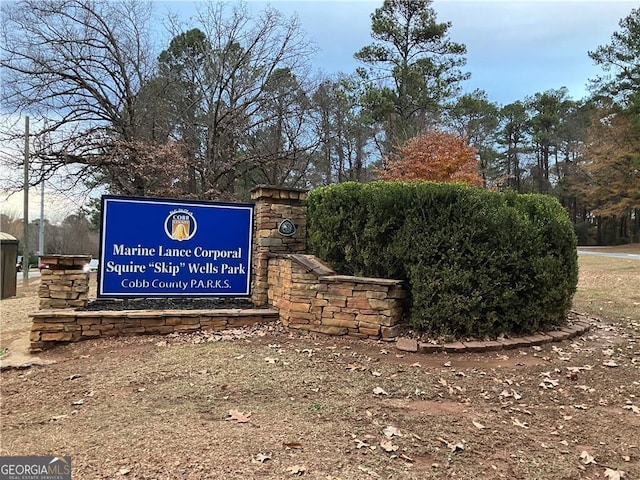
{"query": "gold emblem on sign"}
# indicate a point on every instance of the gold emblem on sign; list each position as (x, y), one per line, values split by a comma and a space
(180, 230)
(180, 225)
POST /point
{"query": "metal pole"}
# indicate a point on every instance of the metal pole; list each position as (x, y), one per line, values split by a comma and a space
(41, 226)
(47, 145)
(25, 219)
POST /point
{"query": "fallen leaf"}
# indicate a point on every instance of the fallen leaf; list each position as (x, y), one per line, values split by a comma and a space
(578, 369)
(417, 365)
(613, 474)
(239, 357)
(454, 447)
(74, 376)
(353, 367)
(549, 383)
(391, 431)
(240, 417)
(297, 469)
(633, 408)
(78, 402)
(478, 425)
(518, 423)
(585, 458)
(261, 457)
(379, 391)
(512, 393)
(388, 446)
(404, 457)
(447, 364)
(124, 471)
(375, 374)
(360, 444)
(458, 447)
(292, 445)
(368, 471)
(610, 364)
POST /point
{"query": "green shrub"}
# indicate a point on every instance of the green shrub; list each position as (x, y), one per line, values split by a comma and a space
(476, 263)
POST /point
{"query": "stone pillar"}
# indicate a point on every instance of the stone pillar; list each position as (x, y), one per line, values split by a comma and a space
(64, 283)
(273, 206)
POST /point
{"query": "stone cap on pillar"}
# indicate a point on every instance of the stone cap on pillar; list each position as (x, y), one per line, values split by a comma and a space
(277, 193)
(66, 262)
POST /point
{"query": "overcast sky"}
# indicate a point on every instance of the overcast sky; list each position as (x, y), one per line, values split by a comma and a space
(514, 48)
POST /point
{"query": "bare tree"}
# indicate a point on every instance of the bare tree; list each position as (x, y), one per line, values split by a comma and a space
(82, 65)
(226, 69)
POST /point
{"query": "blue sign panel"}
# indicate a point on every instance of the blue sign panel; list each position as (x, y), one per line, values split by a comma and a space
(169, 248)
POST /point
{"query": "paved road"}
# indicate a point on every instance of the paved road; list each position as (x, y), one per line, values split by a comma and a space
(626, 256)
(34, 273)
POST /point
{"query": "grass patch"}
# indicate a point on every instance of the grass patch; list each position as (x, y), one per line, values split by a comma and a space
(608, 288)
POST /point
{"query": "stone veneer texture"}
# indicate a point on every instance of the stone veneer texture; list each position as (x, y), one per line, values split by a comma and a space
(64, 283)
(310, 296)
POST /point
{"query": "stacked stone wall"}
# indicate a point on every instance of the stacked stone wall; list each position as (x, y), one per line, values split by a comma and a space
(52, 326)
(310, 296)
(64, 283)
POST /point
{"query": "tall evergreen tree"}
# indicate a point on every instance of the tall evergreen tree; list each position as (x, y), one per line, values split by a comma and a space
(549, 110)
(413, 67)
(620, 62)
(474, 117)
(513, 137)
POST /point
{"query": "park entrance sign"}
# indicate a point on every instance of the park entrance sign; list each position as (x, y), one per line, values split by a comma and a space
(168, 248)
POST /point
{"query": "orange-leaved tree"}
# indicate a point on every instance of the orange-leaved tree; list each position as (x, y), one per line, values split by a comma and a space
(436, 156)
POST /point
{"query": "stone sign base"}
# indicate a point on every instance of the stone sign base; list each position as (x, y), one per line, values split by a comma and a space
(52, 326)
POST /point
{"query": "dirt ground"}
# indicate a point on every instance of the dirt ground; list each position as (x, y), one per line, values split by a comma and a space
(269, 403)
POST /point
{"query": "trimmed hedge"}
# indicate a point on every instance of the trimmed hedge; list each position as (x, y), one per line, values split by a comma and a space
(477, 263)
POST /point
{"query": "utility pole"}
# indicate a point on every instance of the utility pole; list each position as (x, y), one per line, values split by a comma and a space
(41, 226)
(25, 219)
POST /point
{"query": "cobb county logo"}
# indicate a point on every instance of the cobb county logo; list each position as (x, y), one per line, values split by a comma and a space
(180, 225)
